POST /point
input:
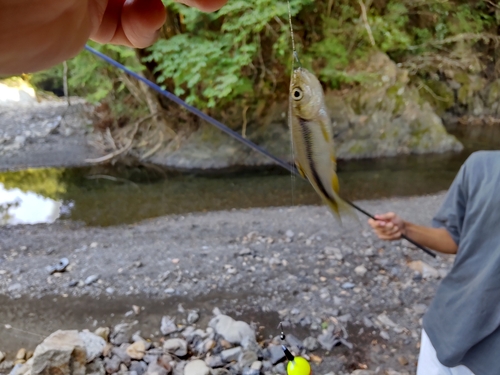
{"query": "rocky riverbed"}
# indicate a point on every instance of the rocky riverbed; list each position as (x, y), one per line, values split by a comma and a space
(350, 302)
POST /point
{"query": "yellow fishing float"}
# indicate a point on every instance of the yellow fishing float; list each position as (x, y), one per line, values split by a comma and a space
(296, 365)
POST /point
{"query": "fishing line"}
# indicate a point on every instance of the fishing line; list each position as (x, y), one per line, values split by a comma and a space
(226, 130)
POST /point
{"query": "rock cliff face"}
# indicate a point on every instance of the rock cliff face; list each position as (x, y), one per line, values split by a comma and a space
(384, 117)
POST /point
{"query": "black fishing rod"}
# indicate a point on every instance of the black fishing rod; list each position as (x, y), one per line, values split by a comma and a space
(228, 131)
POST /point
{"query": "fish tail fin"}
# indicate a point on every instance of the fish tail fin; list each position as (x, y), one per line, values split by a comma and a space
(339, 207)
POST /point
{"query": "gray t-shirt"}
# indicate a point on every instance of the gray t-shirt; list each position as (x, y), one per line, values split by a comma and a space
(463, 320)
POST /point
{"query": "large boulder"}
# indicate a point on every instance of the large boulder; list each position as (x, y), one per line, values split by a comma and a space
(383, 116)
(62, 353)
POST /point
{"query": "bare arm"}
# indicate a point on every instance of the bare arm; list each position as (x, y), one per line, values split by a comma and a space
(390, 227)
(37, 34)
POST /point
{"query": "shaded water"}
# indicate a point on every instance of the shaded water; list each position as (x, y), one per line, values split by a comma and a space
(103, 197)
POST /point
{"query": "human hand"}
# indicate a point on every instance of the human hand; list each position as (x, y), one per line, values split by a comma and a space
(135, 23)
(36, 35)
(388, 226)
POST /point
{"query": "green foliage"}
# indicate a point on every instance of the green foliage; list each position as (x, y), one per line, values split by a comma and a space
(242, 53)
(213, 61)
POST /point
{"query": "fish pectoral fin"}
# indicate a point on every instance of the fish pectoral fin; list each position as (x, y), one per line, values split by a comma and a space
(300, 170)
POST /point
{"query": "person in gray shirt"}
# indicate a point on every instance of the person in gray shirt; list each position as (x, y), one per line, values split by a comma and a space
(461, 329)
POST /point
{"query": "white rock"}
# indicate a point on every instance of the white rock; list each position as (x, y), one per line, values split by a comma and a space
(236, 332)
(196, 367)
(427, 272)
(360, 270)
(176, 346)
(63, 352)
(94, 344)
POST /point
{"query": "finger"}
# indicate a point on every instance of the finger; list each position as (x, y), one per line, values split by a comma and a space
(386, 216)
(141, 21)
(205, 5)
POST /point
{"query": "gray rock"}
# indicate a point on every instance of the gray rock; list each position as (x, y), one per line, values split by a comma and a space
(294, 341)
(276, 354)
(95, 367)
(347, 285)
(122, 333)
(6, 366)
(385, 335)
(63, 352)
(328, 339)
(360, 270)
(155, 369)
(121, 353)
(247, 358)
(236, 332)
(311, 344)
(280, 368)
(193, 317)
(91, 279)
(152, 355)
(94, 344)
(139, 367)
(168, 325)
(232, 354)
(250, 371)
(196, 367)
(214, 361)
(112, 364)
(177, 347)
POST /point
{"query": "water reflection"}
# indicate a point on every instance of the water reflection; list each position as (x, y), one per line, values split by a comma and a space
(110, 196)
(18, 207)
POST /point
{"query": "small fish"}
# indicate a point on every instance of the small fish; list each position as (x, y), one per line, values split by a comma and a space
(312, 140)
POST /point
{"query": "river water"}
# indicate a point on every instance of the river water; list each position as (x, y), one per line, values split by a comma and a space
(103, 197)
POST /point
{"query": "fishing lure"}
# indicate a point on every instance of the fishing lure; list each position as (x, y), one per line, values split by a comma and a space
(296, 365)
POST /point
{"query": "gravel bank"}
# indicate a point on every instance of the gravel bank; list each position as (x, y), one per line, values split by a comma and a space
(291, 264)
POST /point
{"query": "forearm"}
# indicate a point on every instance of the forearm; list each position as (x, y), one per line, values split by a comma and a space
(434, 238)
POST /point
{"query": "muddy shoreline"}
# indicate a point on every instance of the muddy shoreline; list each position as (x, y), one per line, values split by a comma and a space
(294, 264)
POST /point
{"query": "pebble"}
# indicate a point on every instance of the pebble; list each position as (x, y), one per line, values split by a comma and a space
(247, 358)
(168, 325)
(91, 279)
(155, 369)
(176, 346)
(276, 354)
(347, 285)
(250, 371)
(103, 332)
(230, 355)
(196, 367)
(139, 367)
(385, 335)
(121, 353)
(311, 344)
(136, 350)
(2, 357)
(112, 364)
(193, 317)
(403, 361)
(214, 361)
(94, 344)
(236, 332)
(360, 270)
(121, 333)
(21, 354)
(289, 233)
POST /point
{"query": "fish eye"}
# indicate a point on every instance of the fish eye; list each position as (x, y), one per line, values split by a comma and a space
(297, 94)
